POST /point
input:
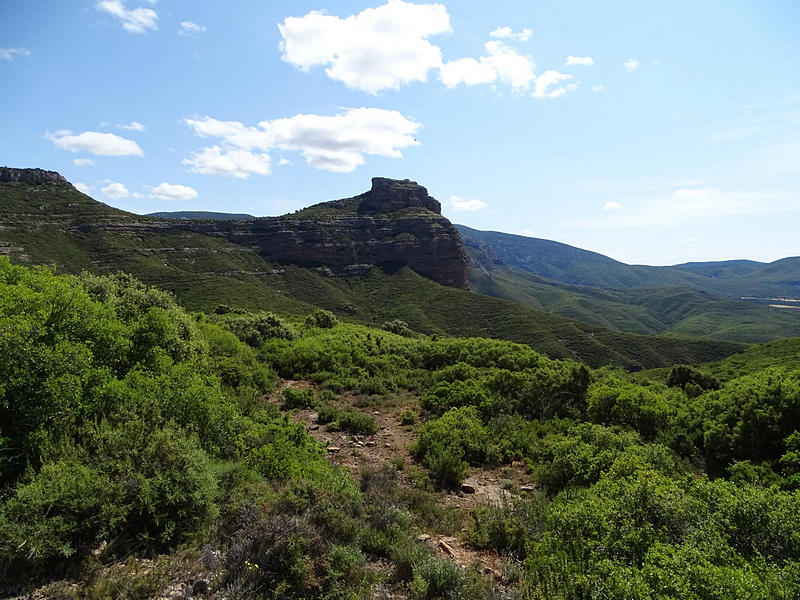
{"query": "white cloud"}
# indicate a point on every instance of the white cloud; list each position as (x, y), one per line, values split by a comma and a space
(463, 204)
(528, 232)
(132, 126)
(377, 49)
(284, 162)
(137, 20)
(101, 144)
(552, 79)
(12, 53)
(585, 61)
(167, 191)
(191, 28)
(83, 187)
(335, 143)
(612, 206)
(83, 162)
(137, 195)
(507, 33)
(631, 65)
(503, 63)
(598, 88)
(233, 163)
(116, 191)
(687, 240)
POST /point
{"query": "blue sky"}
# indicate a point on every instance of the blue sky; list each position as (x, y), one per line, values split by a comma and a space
(653, 132)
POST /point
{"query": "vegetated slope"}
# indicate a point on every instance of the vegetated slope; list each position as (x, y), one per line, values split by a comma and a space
(142, 452)
(57, 224)
(567, 264)
(645, 310)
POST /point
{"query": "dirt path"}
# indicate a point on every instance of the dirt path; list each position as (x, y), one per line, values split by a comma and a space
(390, 445)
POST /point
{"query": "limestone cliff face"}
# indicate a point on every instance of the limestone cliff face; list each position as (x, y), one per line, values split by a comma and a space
(30, 176)
(395, 224)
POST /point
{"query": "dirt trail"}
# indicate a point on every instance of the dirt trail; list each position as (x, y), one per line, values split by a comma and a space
(390, 445)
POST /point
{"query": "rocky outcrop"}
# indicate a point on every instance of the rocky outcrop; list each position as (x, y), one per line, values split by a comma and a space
(395, 224)
(30, 176)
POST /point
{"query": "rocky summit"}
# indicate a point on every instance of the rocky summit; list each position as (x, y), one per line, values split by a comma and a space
(394, 224)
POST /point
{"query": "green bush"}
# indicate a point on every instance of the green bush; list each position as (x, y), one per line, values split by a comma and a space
(323, 319)
(408, 417)
(297, 399)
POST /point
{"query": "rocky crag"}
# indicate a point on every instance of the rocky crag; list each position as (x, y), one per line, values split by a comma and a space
(395, 224)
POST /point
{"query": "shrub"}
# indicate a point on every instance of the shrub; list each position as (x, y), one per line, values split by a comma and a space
(397, 326)
(323, 319)
(297, 399)
(408, 417)
(356, 422)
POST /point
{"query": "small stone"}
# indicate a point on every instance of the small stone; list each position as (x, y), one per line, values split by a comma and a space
(423, 537)
(387, 445)
(370, 444)
(468, 488)
(314, 427)
(527, 488)
(333, 449)
(376, 412)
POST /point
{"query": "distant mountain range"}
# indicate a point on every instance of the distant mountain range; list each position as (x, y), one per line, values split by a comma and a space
(699, 299)
(201, 215)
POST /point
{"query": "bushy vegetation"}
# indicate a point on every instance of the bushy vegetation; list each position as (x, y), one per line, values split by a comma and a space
(130, 427)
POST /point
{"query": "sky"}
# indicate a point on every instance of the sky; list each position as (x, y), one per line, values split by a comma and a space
(652, 132)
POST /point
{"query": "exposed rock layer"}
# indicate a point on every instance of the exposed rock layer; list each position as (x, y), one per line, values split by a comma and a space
(393, 225)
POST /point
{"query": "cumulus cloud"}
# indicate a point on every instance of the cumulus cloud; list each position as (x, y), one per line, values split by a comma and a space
(284, 162)
(612, 206)
(168, 191)
(468, 205)
(548, 85)
(631, 65)
(377, 49)
(116, 191)
(83, 162)
(387, 47)
(334, 143)
(132, 126)
(585, 61)
(101, 144)
(137, 20)
(503, 63)
(232, 163)
(507, 33)
(83, 187)
(598, 88)
(12, 53)
(191, 28)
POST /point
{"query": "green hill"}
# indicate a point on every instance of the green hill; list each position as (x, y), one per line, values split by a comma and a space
(567, 264)
(52, 224)
(671, 307)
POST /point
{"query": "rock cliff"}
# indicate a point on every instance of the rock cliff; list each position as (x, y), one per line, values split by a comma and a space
(395, 224)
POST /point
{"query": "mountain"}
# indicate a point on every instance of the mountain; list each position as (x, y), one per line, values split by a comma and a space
(566, 264)
(382, 255)
(540, 274)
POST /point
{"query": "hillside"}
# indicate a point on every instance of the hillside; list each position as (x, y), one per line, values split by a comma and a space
(567, 264)
(52, 222)
(202, 215)
(659, 306)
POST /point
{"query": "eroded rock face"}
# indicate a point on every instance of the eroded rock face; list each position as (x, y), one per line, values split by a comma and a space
(30, 176)
(380, 230)
(395, 224)
(392, 195)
